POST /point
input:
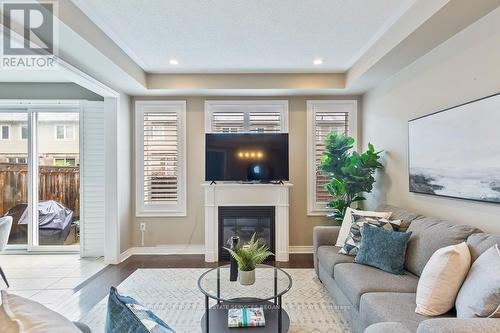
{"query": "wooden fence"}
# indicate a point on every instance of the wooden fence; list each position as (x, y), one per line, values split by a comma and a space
(61, 184)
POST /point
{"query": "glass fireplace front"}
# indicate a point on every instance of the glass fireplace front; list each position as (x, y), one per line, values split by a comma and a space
(244, 222)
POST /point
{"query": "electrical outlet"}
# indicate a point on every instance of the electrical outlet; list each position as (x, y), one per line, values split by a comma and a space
(142, 226)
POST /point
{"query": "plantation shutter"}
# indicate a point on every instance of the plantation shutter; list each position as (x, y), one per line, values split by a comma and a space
(264, 121)
(161, 144)
(324, 117)
(92, 179)
(325, 122)
(160, 157)
(246, 116)
(228, 121)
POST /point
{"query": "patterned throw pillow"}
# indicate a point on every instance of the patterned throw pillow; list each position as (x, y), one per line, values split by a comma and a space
(126, 315)
(353, 241)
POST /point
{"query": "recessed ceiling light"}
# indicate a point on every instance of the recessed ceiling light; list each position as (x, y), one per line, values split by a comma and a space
(173, 62)
(318, 61)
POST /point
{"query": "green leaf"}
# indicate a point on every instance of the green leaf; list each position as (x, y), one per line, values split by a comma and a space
(250, 255)
(351, 173)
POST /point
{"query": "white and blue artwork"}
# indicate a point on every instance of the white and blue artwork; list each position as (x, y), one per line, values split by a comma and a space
(456, 152)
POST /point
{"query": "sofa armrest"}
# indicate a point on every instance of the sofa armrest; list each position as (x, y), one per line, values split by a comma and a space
(456, 325)
(323, 235)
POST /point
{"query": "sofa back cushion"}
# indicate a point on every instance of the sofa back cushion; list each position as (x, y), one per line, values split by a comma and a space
(430, 234)
(402, 214)
(479, 243)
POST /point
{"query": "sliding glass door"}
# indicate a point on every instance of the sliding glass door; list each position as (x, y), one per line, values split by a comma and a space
(14, 174)
(40, 170)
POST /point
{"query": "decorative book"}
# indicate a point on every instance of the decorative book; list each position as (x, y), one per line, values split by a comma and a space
(246, 317)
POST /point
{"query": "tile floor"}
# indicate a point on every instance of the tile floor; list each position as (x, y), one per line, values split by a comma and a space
(48, 279)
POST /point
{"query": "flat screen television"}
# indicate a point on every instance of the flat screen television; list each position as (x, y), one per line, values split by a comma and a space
(246, 157)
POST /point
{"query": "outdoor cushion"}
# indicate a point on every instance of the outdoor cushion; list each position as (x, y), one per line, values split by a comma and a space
(387, 306)
(480, 242)
(329, 256)
(402, 214)
(356, 280)
(430, 234)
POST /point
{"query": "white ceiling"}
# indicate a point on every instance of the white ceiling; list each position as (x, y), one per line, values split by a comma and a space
(241, 36)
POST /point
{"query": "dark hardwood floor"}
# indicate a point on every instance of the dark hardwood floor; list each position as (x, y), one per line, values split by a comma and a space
(91, 291)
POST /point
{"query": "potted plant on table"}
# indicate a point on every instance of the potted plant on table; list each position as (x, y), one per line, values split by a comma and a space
(248, 256)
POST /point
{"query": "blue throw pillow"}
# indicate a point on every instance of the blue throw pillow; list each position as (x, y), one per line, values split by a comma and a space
(383, 249)
(125, 315)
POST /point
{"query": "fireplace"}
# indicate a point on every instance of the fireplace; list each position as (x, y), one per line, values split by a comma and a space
(244, 221)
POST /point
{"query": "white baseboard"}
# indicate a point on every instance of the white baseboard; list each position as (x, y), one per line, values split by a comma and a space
(163, 250)
(300, 249)
(187, 249)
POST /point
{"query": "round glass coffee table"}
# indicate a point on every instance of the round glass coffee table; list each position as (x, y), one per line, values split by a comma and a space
(271, 283)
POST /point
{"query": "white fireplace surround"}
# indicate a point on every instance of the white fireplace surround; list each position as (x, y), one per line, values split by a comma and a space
(238, 194)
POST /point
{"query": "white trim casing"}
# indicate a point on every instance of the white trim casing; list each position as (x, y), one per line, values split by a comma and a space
(246, 106)
(179, 209)
(188, 249)
(351, 106)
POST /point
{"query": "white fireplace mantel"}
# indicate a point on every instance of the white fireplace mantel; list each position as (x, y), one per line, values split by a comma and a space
(240, 194)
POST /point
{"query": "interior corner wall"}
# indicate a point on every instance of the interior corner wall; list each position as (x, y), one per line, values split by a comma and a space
(190, 230)
(124, 169)
(464, 68)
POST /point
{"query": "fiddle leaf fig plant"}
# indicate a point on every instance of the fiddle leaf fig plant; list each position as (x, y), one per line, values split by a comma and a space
(351, 173)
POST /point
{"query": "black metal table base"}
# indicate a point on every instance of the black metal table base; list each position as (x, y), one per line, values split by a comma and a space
(215, 318)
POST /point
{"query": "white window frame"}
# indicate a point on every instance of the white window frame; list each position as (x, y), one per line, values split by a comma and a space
(164, 210)
(1, 132)
(245, 106)
(315, 208)
(65, 132)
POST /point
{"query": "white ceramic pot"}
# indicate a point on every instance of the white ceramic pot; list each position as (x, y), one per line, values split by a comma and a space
(246, 278)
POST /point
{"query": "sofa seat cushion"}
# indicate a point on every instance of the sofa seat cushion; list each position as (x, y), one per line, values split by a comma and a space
(394, 307)
(329, 256)
(356, 280)
(430, 234)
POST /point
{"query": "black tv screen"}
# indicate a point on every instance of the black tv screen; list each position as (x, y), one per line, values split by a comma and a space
(246, 157)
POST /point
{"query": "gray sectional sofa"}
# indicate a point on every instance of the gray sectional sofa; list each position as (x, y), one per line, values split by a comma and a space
(374, 301)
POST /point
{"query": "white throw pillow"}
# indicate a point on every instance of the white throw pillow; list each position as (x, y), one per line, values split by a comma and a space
(479, 296)
(441, 279)
(346, 223)
(7, 325)
(33, 317)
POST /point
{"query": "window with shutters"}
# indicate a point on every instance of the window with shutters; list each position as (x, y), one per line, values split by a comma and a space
(160, 158)
(324, 116)
(258, 116)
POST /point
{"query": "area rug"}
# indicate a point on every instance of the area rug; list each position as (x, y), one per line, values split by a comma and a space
(174, 296)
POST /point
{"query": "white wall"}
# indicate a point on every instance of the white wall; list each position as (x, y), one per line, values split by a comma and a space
(124, 166)
(464, 68)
